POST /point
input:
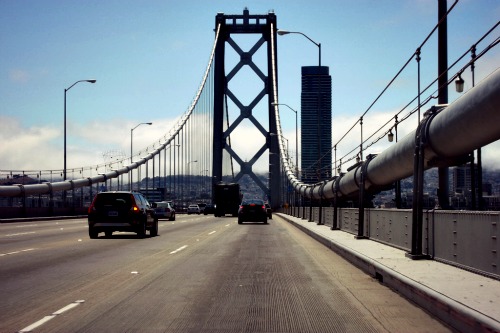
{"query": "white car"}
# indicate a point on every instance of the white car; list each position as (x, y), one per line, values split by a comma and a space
(164, 209)
(194, 209)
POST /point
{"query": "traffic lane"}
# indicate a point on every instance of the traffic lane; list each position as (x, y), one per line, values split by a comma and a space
(34, 282)
(10, 230)
(251, 277)
(21, 236)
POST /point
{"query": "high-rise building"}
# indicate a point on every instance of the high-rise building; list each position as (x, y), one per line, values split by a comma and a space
(316, 124)
(462, 178)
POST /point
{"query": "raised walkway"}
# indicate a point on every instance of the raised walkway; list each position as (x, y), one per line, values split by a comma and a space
(466, 301)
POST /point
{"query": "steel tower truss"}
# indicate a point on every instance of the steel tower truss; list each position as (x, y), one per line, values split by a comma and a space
(265, 25)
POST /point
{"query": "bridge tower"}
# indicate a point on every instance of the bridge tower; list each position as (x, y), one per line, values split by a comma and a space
(265, 26)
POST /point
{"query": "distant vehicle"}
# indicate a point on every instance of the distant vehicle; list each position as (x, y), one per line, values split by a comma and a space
(164, 209)
(253, 210)
(193, 209)
(209, 209)
(227, 198)
(269, 211)
(121, 211)
(202, 206)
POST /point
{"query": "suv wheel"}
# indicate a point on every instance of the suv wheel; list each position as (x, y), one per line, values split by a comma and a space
(153, 232)
(142, 230)
(92, 233)
(172, 217)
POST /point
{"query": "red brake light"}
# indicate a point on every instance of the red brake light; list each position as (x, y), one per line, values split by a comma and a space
(91, 207)
(134, 208)
(252, 204)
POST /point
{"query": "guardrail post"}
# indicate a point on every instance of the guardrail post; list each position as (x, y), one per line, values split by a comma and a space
(23, 200)
(335, 203)
(304, 206)
(421, 137)
(320, 214)
(361, 210)
(310, 206)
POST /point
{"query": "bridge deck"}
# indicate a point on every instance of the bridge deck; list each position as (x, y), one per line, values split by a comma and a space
(465, 300)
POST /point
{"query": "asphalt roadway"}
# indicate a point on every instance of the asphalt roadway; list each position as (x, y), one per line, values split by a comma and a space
(201, 274)
(467, 301)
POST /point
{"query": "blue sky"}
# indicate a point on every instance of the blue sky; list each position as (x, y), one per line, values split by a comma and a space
(148, 58)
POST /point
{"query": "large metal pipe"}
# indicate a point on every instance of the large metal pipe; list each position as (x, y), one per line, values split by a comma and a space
(469, 123)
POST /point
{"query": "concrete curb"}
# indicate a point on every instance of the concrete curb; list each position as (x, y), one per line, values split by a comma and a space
(453, 313)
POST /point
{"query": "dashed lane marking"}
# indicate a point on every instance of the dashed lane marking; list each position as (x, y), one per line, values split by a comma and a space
(45, 319)
(15, 252)
(179, 249)
(20, 234)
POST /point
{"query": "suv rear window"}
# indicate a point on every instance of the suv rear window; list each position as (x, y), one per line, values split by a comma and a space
(113, 199)
(252, 201)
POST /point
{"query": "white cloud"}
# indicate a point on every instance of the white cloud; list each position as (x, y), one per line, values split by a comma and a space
(19, 76)
(27, 148)
(40, 148)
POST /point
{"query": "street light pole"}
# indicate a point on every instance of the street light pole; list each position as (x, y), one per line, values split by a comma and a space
(287, 152)
(170, 169)
(65, 91)
(296, 137)
(189, 176)
(131, 151)
(285, 32)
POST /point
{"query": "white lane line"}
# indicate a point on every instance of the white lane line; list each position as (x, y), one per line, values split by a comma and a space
(15, 252)
(227, 225)
(37, 324)
(26, 225)
(52, 316)
(21, 233)
(212, 232)
(179, 249)
(68, 307)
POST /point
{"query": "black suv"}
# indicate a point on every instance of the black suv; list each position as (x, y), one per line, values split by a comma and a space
(121, 211)
(253, 210)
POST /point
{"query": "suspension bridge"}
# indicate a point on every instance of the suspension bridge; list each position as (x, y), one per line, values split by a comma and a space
(445, 136)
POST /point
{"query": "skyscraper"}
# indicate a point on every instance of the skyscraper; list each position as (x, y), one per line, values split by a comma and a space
(316, 124)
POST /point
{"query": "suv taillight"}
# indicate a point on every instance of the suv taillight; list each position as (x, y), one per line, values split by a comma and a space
(134, 207)
(92, 206)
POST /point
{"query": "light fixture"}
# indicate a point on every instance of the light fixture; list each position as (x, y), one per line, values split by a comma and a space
(65, 91)
(358, 158)
(459, 84)
(390, 136)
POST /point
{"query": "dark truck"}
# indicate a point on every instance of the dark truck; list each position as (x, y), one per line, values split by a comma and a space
(227, 198)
